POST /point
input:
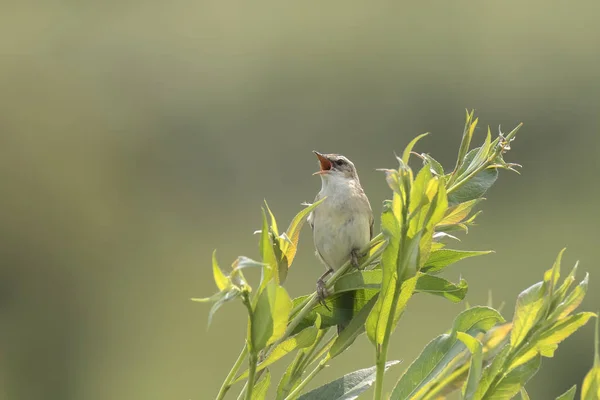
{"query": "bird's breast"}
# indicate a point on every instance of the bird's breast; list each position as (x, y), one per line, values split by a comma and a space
(340, 226)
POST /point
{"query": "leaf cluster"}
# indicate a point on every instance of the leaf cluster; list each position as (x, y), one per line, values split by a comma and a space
(482, 355)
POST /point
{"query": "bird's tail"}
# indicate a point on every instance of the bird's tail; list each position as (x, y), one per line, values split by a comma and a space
(345, 305)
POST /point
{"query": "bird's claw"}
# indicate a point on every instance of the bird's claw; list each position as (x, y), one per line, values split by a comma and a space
(322, 293)
(354, 259)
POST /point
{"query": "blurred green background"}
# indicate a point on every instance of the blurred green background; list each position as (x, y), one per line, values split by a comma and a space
(136, 137)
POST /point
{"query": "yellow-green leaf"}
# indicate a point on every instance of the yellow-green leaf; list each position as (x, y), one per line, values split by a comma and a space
(528, 311)
(261, 387)
(354, 329)
(440, 259)
(274, 228)
(441, 351)
(569, 394)
(221, 280)
(293, 231)
(572, 301)
(512, 382)
(303, 339)
(551, 276)
(459, 212)
(590, 389)
(475, 347)
(547, 341)
(270, 270)
(409, 147)
(270, 315)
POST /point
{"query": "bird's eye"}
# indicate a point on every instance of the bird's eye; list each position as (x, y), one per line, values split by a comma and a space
(340, 162)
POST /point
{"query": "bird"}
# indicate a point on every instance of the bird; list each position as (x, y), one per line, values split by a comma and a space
(342, 224)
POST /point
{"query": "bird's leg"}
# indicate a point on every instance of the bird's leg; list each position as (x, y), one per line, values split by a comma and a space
(354, 258)
(321, 289)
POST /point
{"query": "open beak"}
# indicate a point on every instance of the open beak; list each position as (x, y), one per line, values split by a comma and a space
(325, 164)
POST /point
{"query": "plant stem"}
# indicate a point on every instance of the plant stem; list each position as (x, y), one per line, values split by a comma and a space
(253, 359)
(381, 352)
(308, 378)
(252, 353)
(242, 392)
(236, 366)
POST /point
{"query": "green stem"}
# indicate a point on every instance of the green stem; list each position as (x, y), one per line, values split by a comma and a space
(236, 367)
(242, 392)
(252, 353)
(253, 360)
(382, 350)
(296, 392)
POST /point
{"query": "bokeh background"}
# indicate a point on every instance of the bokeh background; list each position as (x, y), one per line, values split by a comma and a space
(136, 137)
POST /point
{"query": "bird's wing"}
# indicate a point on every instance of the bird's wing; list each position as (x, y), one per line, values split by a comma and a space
(310, 219)
(366, 200)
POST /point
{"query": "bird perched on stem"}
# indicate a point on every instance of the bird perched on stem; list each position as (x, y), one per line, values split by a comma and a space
(343, 223)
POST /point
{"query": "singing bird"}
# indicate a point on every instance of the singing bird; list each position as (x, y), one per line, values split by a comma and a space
(343, 224)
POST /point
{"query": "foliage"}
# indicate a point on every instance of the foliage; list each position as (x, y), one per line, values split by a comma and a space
(482, 355)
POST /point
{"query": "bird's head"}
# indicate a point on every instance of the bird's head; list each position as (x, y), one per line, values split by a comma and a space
(335, 166)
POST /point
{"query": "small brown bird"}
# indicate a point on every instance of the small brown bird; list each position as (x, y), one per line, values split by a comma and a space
(343, 224)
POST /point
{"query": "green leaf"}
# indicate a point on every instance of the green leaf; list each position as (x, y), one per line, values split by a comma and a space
(590, 389)
(465, 142)
(348, 387)
(459, 212)
(475, 347)
(524, 395)
(219, 299)
(418, 191)
(304, 357)
(304, 339)
(274, 228)
(382, 311)
(293, 231)
(481, 156)
(409, 147)
(440, 259)
(355, 328)
(331, 313)
(221, 280)
(390, 260)
(269, 270)
(569, 394)
(492, 371)
(546, 342)
(561, 292)
(364, 279)
(435, 167)
(282, 263)
(512, 382)
(270, 316)
(243, 262)
(552, 275)
(260, 389)
(528, 311)
(440, 352)
(475, 186)
(441, 287)
(572, 301)
(371, 279)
